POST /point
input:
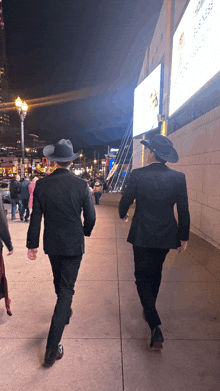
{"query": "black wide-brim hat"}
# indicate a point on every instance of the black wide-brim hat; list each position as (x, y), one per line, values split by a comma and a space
(61, 152)
(162, 147)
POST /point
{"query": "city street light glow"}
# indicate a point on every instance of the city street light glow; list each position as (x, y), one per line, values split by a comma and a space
(24, 107)
(18, 102)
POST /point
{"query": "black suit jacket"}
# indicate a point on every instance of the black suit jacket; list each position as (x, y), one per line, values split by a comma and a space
(157, 188)
(61, 197)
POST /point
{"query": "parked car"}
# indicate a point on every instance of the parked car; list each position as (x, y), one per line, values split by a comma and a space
(5, 191)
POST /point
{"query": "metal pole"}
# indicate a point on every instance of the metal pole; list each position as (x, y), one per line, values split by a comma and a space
(22, 146)
(122, 165)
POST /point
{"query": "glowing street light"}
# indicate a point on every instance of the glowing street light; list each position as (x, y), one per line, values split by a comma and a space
(22, 109)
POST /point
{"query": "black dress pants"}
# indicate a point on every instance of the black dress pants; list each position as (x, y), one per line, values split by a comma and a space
(148, 272)
(97, 196)
(65, 271)
(24, 207)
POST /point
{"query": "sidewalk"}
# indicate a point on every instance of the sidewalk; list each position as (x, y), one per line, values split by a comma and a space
(106, 344)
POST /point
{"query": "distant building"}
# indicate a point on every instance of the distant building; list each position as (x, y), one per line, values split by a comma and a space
(4, 116)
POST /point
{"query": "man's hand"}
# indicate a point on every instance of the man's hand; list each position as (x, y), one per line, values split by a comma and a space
(32, 253)
(182, 247)
(126, 218)
(10, 252)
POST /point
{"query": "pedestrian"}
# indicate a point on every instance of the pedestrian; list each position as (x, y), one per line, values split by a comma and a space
(6, 238)
(31, 188)
(24, 197)
(61, 197)
(90, 188)
(97, 192)
(105, 187)
(15, 196)
(154, 229)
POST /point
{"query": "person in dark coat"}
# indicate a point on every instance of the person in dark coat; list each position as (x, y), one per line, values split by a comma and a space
(6, 238)
(60, 198)
(24, 197)
(154, 229)
(15, 196)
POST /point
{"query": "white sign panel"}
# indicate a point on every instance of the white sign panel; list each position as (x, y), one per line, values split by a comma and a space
(196, 54)
(147, 103)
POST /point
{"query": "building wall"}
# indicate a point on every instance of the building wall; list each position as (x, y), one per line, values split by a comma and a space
(198, 145)
(137, 154)
(158, 43)
(179, 8)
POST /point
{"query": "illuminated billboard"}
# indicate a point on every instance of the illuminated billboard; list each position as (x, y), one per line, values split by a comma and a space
(196, 55)
(147, 103)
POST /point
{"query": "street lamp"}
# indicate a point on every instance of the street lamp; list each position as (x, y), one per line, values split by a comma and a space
(94, 161)
(80, 157)
(22, 109)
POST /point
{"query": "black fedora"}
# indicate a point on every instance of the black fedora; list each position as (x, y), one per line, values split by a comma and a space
(162, 147)
(61, 152)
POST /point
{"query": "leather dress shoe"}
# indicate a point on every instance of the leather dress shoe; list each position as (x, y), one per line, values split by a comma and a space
(71, 313)
(156, 339)
(52, 355)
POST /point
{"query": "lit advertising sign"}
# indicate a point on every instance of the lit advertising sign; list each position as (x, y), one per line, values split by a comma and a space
(147, 103)
(111, 163)
(196, 55)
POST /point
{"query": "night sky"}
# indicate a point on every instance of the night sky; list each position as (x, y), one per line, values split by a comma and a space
(59, 46)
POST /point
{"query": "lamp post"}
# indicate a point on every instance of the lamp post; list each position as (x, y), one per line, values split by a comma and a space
(22, 109)
(80, 157)
(95, 161)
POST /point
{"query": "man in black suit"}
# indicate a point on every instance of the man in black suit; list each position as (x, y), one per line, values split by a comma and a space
(24, 198)
(154, 229)
(60, 198)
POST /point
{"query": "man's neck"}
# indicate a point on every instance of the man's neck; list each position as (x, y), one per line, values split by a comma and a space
(64, 168)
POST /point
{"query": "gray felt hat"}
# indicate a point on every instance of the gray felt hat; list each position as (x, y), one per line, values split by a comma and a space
(162, 147)
(61, 152)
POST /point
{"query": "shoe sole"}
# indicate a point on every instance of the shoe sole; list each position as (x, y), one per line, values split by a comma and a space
(157, 346)
(47, 364)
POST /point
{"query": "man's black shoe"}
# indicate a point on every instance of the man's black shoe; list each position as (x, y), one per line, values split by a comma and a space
(26, 220)
(21, 218)
(156, 339)
(52, 355)
(71, 313)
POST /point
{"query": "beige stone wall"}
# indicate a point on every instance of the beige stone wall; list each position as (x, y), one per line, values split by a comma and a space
(157, 46)
(137, 154)
(198, 145)
(179, 8)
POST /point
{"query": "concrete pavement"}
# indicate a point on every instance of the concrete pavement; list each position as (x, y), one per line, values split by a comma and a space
(106, 344)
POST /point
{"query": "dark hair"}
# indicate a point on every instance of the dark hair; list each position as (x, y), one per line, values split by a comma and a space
(64, 164)
(159, 159)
